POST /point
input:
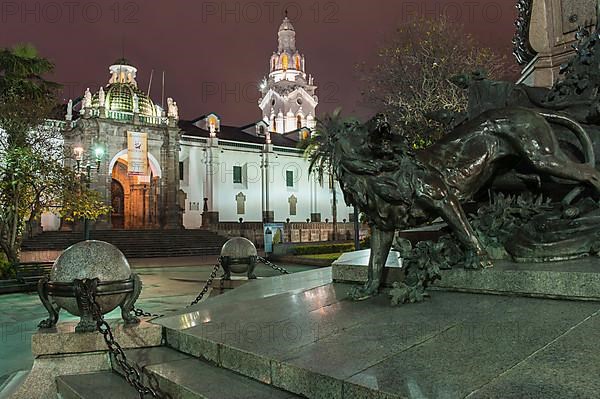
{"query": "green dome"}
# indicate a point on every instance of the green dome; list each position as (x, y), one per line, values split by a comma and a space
(119, 97)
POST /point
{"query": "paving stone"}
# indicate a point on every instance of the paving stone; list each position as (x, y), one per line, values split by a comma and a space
(566, 368)
(40, 383)
(144, 357)
(384, 334)
(460, 359)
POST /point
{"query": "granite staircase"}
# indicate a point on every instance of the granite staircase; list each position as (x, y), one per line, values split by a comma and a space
(178, 374)
(136, 243)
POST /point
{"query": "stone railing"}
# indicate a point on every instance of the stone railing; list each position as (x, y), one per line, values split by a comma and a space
(120, 115)
(293, 232)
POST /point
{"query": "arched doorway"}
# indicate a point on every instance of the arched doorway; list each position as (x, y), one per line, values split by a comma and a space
(118, 205)
(139, 195)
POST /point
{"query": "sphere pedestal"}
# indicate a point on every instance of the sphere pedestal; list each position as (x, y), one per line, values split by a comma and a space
(238, 255)
(95, 265)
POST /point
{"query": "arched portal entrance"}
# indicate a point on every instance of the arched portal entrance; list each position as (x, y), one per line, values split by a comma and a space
(118, 205)
(134, 198)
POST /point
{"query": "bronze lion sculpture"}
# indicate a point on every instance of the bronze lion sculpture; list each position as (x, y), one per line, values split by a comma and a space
(397, 187)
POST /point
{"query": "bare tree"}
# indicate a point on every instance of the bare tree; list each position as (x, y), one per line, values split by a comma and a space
(410, 78)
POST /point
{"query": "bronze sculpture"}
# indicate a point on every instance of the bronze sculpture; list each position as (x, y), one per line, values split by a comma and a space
(398, 188)
(506, 125)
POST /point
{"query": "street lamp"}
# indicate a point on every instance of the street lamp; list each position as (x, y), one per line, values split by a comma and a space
(87, 175)
(356, 229)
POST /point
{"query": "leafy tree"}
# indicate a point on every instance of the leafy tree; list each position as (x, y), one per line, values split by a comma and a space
(33, 172)
(410, 78)
(319, 151)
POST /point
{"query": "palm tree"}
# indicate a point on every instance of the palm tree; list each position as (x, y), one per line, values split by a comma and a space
(320, 151)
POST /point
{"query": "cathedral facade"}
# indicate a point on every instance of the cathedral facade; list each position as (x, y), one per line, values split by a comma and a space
(160, 171)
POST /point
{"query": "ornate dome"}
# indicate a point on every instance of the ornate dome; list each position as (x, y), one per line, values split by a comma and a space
(121, 91)
(120, 97)
(286, 24)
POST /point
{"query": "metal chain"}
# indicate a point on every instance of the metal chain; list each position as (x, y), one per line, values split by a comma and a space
(207, 285)
(272, 265)
(142, 313)
(131, 371)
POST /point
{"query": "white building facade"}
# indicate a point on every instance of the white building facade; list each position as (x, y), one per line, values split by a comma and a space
(202, 172)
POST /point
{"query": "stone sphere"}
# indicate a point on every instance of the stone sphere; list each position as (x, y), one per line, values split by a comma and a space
(90, 259)
(239, 248)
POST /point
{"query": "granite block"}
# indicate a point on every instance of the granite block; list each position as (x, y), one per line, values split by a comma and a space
(64, 339)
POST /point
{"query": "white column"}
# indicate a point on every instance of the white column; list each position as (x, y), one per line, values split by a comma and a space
(266, 178)
(212, 173)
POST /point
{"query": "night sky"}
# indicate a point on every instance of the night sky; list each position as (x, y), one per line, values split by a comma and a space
(215, 53)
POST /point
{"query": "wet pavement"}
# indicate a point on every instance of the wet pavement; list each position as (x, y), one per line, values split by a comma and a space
(169, 285)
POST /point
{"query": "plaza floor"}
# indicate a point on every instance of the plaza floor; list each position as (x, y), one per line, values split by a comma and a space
(169, 285)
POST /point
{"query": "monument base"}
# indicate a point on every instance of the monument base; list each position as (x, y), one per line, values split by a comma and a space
(352, 267)
(577, 279)
(300, 333)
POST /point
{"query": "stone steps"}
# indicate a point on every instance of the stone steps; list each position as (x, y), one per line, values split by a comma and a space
(179, 375)
(137, 243)
(102, 385)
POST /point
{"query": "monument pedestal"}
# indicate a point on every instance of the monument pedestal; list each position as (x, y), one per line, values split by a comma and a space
(352, 267)
(551, 31)
(577, 279)
(300, 333)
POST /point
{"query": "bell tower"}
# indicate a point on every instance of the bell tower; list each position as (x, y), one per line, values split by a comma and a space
(288, 100)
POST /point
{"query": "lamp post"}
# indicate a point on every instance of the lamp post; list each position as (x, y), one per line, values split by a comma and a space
(356, 230)
(87, 176)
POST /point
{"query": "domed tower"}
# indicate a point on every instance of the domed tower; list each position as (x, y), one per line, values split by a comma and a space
(288, 99)
(122, 97)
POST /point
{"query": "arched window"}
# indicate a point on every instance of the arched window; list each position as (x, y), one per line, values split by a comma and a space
(299, 122)
(274, 64)
(274, 125)
(261, 130)
(298, 63)
(284, 61)
(212, 124)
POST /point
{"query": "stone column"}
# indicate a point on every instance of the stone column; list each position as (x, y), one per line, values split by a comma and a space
(211, 215)
(171, 213)
(315, 215)
(549, 28)
(267, 214)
